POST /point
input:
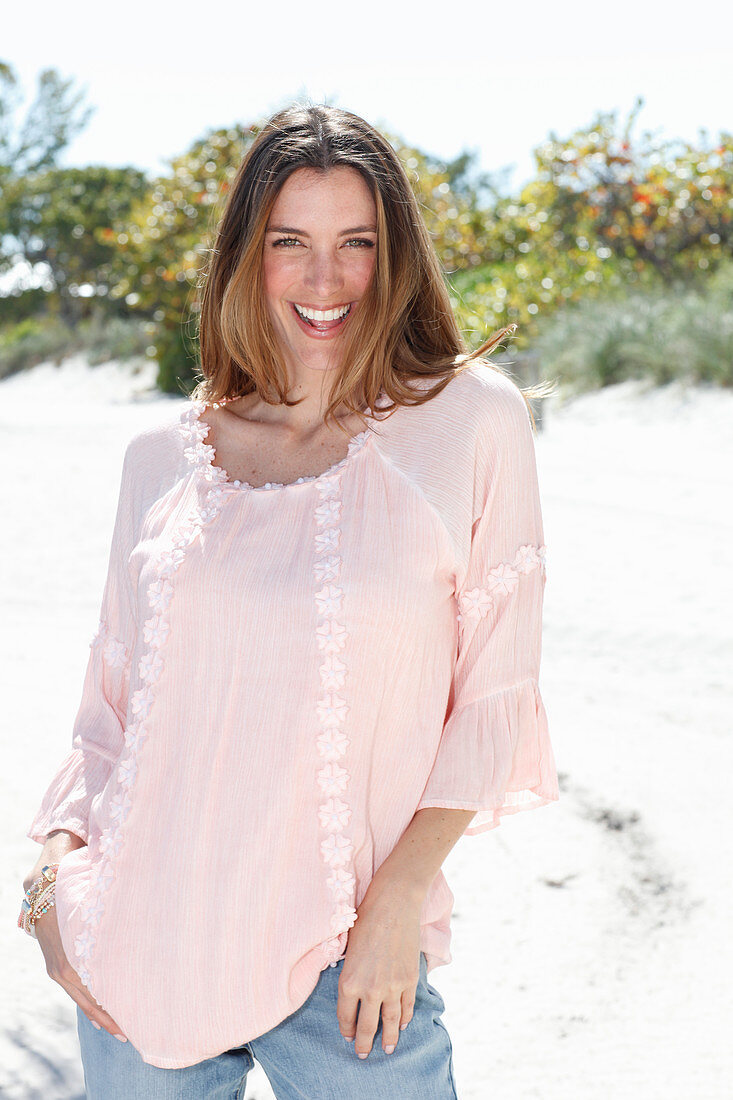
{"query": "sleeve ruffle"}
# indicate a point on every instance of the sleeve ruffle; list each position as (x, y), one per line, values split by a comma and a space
(65, 805)
(495, 757)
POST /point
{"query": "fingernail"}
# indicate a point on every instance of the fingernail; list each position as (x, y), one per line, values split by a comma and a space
(364, 1055)
(121, 1038)
(349, 1038)
(95, 1024)
(388, 1050)
(402, 1027)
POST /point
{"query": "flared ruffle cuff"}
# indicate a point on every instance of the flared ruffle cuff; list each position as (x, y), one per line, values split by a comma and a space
(494, 757)
(67, 801)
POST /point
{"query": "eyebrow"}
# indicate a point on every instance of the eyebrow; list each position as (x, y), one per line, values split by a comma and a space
(302, 233)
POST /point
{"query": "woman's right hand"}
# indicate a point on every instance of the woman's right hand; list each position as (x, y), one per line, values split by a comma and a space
(60, 969)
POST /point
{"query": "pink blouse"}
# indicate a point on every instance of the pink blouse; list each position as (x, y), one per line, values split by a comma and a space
(281, 677)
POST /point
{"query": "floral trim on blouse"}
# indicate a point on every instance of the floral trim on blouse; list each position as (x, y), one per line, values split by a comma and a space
(334, 812)
(202, 455)
(114, 652)
(155, 634)
(501, 581)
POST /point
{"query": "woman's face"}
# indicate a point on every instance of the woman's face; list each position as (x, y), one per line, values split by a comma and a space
(320, 251)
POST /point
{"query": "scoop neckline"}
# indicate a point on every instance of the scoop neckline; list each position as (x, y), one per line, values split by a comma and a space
(202, 455)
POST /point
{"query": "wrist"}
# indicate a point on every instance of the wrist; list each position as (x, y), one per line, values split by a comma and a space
(58, 843)
(391, 888)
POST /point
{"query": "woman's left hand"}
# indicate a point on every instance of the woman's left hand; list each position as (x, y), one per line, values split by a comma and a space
(381, 970)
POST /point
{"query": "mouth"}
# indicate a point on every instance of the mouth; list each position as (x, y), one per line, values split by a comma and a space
(321, 322)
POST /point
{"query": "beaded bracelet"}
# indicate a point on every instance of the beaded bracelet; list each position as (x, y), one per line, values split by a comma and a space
(39, 898)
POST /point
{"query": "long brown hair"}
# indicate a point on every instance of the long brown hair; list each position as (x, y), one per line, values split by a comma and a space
(405, 329)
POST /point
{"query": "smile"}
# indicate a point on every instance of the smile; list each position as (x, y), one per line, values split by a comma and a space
(321, 315)
(321, 323)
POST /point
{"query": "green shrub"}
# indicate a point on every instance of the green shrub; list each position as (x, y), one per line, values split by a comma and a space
(39, 339)
(32, 341)
(683, 331)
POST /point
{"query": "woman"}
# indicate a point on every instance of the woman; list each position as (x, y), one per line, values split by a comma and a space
(316, 666)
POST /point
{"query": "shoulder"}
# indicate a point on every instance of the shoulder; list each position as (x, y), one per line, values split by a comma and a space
(484, 399)
(165, 438)
(480, 408)
(154, 457)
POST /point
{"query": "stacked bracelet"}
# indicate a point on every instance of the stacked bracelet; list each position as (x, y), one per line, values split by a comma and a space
(39, 898)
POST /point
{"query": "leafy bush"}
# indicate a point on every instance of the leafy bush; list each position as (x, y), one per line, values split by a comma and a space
(32, 341)
(42, 338)
(684, 330)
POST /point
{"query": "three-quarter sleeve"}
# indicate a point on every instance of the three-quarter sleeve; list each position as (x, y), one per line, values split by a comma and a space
(98, 731)
(495, 755)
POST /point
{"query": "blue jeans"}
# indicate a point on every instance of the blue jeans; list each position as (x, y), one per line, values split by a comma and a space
(305, 1057)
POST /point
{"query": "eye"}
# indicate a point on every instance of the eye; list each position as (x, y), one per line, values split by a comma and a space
(361, 241)
(287, 241)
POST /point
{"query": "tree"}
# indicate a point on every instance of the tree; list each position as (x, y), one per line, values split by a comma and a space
(61, 217)
(163, 243)
(28, 149)
(604, 212)
(55, 117)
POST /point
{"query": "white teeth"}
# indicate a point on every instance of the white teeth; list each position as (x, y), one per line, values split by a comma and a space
(322, 314)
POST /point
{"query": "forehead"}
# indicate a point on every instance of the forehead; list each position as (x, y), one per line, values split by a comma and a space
(322, 195)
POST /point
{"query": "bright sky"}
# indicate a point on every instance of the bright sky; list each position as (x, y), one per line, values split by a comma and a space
(495, 79)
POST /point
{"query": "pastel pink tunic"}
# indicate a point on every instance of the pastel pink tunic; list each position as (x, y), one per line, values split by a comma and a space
(281, 677)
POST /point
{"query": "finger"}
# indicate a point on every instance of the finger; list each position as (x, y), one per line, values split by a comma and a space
(346, 1008)
(60, 970)
(90, 1008)
(408, 1008)
(366, 1025)
(391, 1015)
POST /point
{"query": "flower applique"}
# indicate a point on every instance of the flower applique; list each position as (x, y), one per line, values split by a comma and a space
(343, 915)
(501, 581)
(332, 744)
(328, 600)
(127, 770)
(342, 884)
(334, 815)
(332, 711)
(331, 636)
(333, 672)
(333, 779)
(150, 665)
(110, 842)
(328, 540)
(327, 569)
(337, 850)
(121, 803)
(328, 511)
(142, 701)
(160, 593)
(155, 631)
(115, 653)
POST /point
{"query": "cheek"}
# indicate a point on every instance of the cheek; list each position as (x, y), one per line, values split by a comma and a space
(271, 277)
(278, 275)
(363, 271)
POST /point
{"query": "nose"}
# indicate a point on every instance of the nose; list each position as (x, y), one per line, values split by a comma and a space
(324, 277)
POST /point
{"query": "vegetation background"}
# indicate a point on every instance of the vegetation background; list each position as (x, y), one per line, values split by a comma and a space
(615, 261)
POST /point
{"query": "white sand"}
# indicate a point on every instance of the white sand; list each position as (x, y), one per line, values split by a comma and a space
(591, 940)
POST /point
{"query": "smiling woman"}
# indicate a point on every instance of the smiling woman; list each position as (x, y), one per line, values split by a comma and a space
(316, 665)
(359, 241)
(315, 276)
